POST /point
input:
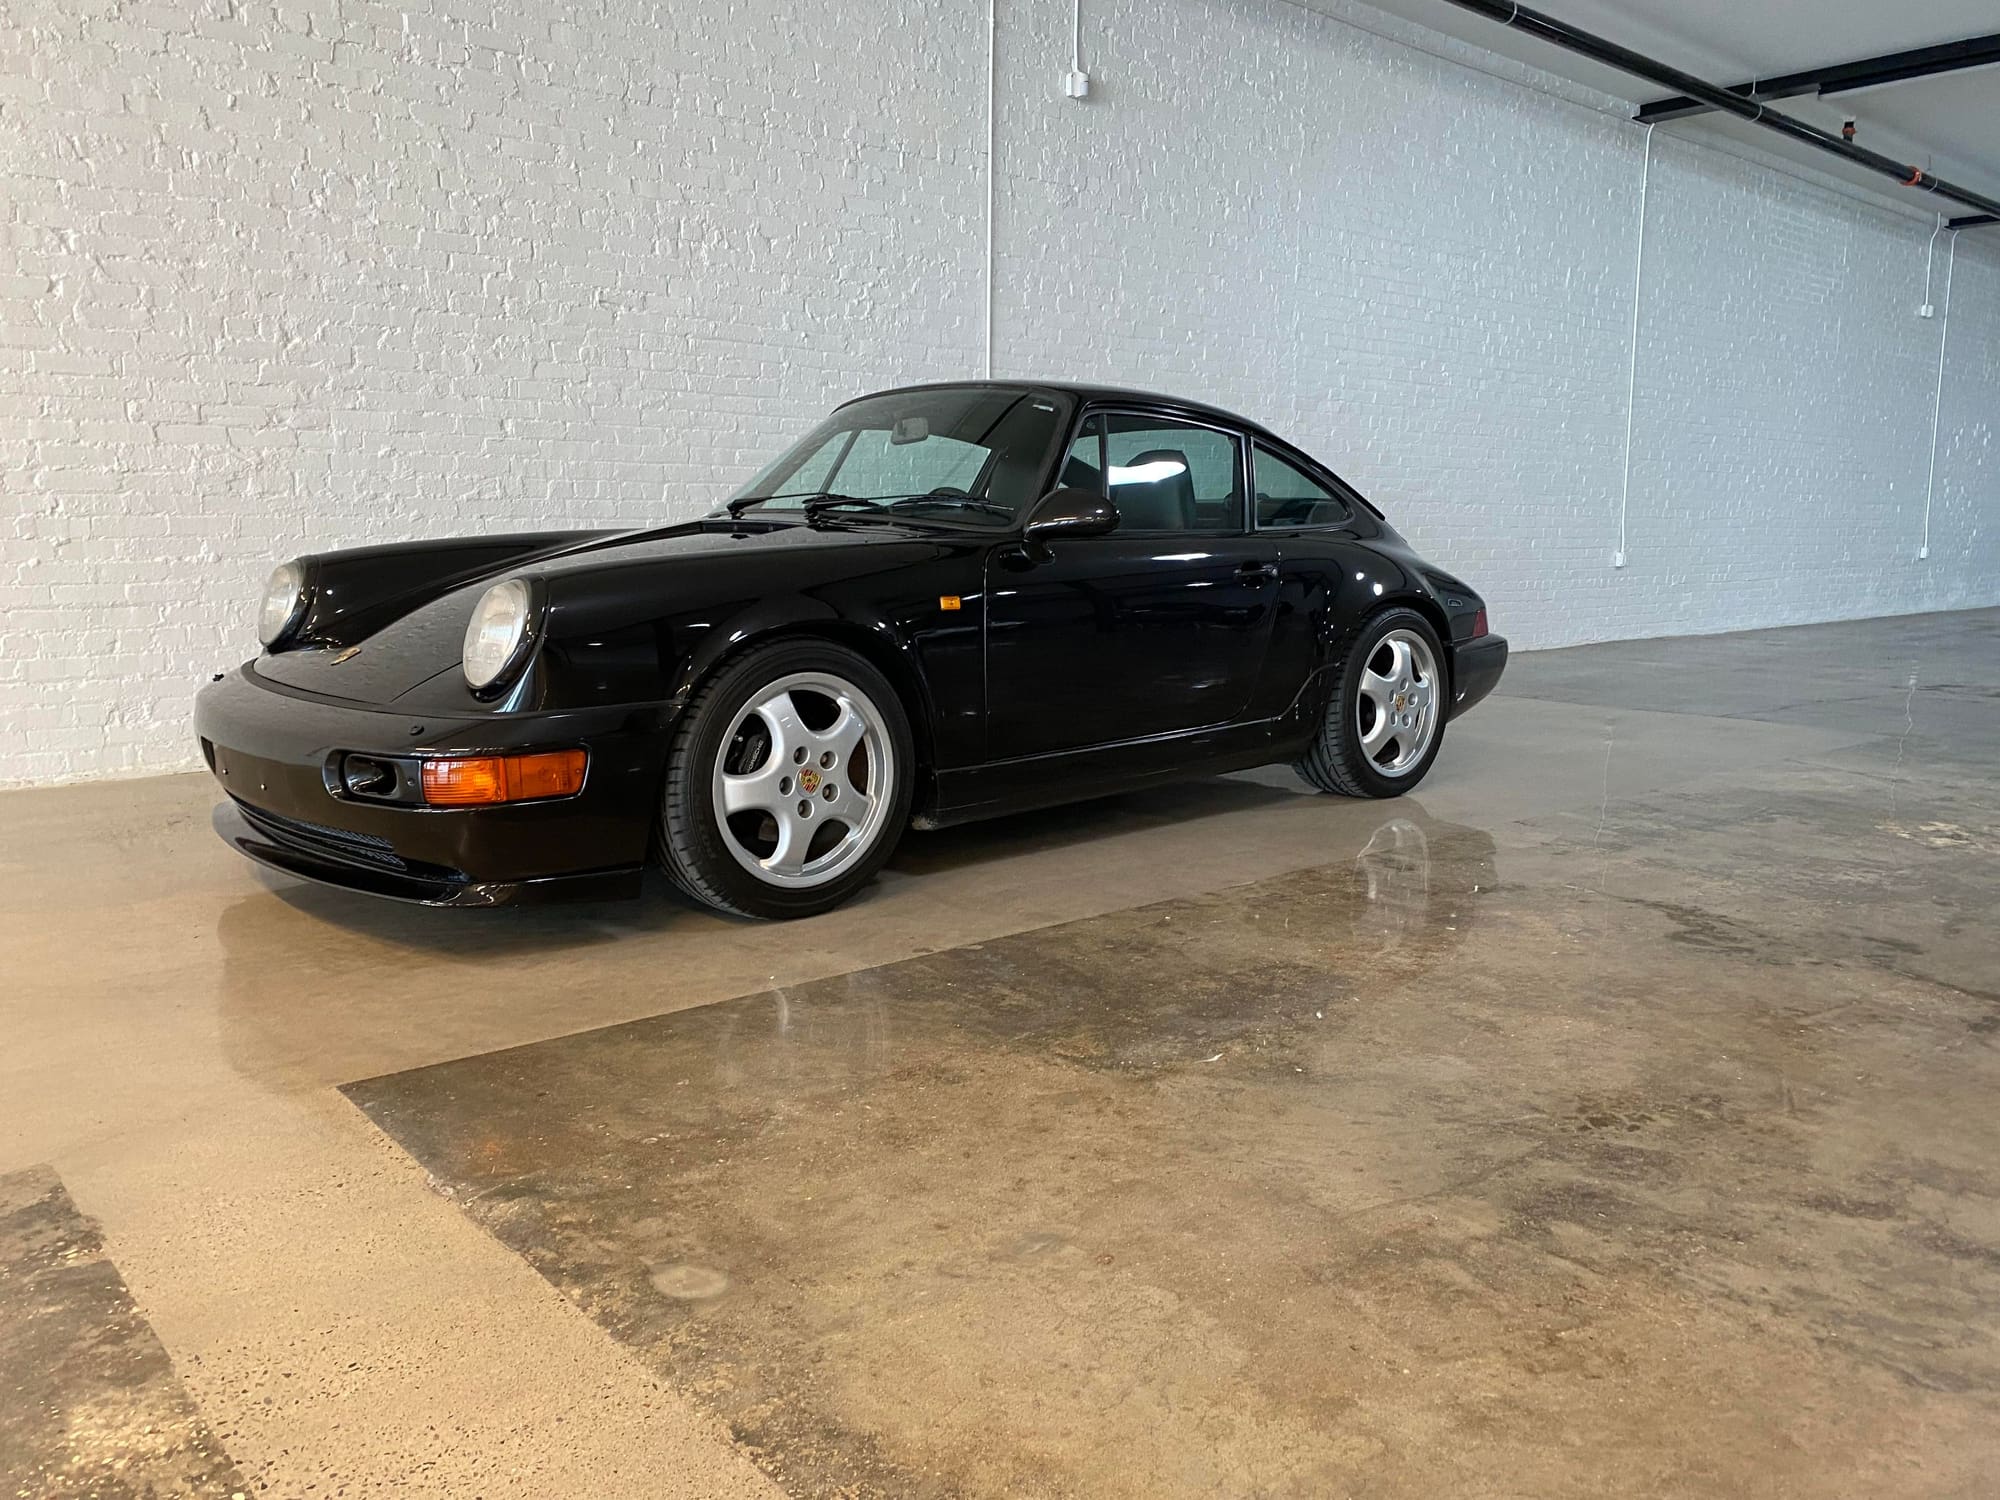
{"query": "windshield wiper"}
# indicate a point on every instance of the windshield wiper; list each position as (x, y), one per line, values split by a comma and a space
(827, 502)
(821, 505)
(957, 502)
(814, 499)
(742, 503)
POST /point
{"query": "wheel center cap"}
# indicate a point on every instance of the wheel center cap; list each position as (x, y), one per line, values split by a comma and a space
(808, 782)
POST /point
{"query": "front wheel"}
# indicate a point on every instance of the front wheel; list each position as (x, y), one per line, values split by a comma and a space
(789, 781)
(1385, 721)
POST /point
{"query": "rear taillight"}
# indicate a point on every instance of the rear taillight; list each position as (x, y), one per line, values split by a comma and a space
(1479, 625)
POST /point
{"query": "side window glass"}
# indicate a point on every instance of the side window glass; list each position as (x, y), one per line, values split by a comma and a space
(1083, 466)
(1287, 497)
(1172, 476)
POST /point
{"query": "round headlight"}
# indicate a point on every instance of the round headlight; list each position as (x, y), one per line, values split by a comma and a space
(284, 603)
(496, 633)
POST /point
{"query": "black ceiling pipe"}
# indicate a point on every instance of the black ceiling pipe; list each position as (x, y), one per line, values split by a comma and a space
(1842, 78)
(1587, 44)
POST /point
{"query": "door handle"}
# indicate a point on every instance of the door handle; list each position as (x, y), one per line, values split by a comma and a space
(1256, 572)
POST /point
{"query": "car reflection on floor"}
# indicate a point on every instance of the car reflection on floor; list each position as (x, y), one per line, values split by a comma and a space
(860, 1212)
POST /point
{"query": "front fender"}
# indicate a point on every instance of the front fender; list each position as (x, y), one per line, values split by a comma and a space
(894, 646)
(649, 629)
(353, 593)
(762, 619)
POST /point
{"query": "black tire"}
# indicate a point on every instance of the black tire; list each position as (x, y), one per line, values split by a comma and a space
(1336, 761)
(692, 838)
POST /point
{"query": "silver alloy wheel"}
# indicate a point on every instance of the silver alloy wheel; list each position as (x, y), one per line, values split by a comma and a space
(804, 780)
(1396, 711)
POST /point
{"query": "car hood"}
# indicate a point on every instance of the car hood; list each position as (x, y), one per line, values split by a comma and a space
(597, 583)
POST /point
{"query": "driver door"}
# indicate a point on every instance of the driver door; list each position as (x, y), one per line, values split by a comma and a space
(1158, 627)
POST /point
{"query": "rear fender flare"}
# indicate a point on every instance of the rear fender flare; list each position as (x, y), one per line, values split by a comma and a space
(1316, 696)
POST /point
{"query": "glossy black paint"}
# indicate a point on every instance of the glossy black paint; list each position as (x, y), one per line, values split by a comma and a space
(352, 594)
(277, 751)
(1070, 512)
(1078, 661)
(1068, 626)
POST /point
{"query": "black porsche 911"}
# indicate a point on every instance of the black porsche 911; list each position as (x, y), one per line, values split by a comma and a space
(943, 603)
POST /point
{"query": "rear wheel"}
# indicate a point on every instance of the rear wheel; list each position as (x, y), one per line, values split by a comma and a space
(1385, 722)
(788, 783)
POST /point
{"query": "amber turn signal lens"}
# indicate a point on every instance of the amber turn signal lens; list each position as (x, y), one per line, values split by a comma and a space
(480, 780)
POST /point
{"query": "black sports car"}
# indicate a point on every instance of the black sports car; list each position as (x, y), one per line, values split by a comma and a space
(945, 602)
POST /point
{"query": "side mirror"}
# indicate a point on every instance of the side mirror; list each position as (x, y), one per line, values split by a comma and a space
(1071, 512)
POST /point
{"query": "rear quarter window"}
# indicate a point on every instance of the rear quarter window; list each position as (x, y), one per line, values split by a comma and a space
(1288, 496)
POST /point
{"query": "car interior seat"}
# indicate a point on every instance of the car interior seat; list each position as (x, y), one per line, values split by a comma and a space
(1156, 503)
(1080, 474)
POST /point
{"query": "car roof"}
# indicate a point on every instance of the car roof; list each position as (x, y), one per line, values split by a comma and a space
(1117, 395)
(1090, 394)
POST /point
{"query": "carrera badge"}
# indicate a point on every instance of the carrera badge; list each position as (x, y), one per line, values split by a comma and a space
(348, 655)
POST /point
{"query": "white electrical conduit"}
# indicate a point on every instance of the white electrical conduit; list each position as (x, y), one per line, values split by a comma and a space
(1632, 368)
(992, 95)
(1937, 396)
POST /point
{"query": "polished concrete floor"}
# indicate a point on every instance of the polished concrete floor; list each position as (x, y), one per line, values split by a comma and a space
(1612, 1117)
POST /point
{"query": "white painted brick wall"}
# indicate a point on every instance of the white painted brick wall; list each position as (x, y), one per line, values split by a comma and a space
(278, 277)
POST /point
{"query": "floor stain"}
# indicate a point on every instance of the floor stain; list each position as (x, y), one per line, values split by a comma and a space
(90, 1406)
(1425, 1173)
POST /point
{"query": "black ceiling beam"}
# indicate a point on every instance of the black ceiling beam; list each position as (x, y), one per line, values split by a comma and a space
(1973, 221)
(1588, 44)
(1842, 78)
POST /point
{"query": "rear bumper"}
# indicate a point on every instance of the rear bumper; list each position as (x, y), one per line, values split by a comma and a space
(276, 752)
(1475, 668)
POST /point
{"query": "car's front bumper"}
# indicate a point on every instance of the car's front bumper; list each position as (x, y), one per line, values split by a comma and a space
(1476, 666)
(276, 752)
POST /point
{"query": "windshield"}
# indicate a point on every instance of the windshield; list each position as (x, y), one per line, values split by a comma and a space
(971, 454)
